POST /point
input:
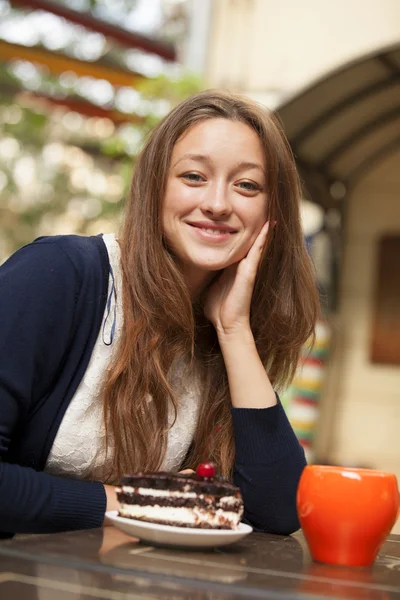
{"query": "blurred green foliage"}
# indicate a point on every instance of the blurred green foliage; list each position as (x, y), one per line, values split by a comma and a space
(60, 171)
(57, 180)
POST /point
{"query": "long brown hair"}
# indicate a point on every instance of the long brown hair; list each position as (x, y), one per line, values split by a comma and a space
(160, 322)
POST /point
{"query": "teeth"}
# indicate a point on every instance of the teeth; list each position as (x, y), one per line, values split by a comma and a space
(212, 230)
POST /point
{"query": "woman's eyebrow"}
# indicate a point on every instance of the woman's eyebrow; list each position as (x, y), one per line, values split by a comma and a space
(197, 157)
(207, 160)
(242, 166)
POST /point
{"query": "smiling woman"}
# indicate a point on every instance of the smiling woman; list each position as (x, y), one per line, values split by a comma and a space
(121, 355)
(214, 206)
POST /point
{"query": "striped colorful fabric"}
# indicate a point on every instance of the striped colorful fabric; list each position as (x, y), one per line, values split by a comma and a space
(301, 400)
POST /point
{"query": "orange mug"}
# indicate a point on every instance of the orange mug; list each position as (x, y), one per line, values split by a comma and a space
(346, 514)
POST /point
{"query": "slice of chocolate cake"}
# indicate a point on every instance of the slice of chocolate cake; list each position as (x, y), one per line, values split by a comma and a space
(180, 500)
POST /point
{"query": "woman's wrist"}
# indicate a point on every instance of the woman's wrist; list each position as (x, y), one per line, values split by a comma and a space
(111, 501)
(241, 334)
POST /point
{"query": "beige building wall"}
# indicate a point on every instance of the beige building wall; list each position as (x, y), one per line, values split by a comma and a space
(361, 409)
(271, 49)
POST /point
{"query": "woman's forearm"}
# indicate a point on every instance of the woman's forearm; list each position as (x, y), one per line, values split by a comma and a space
(268, 464)
(249, 384)
(112, 502)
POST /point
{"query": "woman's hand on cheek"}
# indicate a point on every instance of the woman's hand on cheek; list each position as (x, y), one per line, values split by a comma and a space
(228, 300)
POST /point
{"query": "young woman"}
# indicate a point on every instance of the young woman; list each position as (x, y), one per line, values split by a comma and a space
(120, 355)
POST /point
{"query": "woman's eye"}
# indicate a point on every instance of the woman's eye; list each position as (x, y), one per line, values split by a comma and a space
(248, 186)
(194, 177)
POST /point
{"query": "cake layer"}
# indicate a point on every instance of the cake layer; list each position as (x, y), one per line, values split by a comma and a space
(180, 483)
(147, 496)
(182, 516)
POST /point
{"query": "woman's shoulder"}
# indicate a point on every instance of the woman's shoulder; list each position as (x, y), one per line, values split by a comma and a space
(75, 253)
(80, 249)
(62, 262)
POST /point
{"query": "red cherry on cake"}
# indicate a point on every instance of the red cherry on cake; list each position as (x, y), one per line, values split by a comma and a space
(206, 469)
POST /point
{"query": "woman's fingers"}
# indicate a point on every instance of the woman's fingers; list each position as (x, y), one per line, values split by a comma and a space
(253, 257)
(260, 239)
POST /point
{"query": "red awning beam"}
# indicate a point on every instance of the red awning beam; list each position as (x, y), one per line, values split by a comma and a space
(83, 108)
(71, 103)
(126, 38)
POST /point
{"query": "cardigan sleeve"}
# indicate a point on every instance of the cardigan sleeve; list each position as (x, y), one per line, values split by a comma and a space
(268, 464)
(39, 285)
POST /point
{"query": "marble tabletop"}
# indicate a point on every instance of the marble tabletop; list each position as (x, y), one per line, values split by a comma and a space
(106, 563)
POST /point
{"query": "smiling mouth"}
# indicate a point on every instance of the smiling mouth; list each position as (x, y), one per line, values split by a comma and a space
(212, 230)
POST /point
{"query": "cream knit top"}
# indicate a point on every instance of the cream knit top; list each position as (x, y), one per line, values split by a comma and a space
(79, 448)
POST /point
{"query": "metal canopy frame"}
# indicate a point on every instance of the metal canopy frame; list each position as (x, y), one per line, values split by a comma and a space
(328, 132)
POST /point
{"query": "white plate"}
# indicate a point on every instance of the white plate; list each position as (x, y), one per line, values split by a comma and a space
(178, 536)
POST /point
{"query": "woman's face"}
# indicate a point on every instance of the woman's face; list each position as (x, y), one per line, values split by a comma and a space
(216, 200)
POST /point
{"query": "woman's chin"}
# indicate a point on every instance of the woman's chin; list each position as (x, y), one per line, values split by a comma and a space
(210, 263)
(210, 268)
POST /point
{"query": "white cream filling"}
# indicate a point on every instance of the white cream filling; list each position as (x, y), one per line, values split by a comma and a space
(192, 516)
(157, 493)
(228, 501)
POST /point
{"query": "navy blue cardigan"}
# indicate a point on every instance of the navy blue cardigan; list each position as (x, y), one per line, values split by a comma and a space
(52, 300)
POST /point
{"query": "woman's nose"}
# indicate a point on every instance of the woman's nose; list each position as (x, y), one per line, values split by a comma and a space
(216, 201)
